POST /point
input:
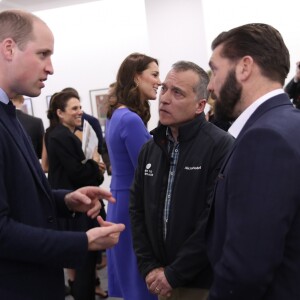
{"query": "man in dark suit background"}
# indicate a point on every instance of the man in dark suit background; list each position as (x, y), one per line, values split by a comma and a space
(33, 125)
(253, 231)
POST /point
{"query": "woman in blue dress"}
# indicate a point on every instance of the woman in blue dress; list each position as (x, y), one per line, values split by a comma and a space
(126, 132)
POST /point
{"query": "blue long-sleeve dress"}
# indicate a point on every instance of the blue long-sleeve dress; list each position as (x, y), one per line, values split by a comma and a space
(125, 135)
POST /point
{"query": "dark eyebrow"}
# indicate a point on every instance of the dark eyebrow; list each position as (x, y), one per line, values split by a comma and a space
(177, 89)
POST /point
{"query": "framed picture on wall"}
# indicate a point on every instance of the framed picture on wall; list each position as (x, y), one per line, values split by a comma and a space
(48, 97)
(27, 106)
(99, 103)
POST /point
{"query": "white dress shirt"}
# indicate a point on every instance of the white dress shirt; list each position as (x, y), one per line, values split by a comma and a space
(240, 122)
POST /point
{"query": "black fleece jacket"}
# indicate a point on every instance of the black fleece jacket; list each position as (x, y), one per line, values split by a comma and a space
(202, 149)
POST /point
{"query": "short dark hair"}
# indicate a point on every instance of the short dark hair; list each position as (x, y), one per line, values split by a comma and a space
(263, 43)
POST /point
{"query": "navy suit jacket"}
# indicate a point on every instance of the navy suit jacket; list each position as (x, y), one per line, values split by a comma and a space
(253, 231)
(32, 252)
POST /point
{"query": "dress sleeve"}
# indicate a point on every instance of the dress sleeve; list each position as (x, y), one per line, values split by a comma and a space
(135, 135)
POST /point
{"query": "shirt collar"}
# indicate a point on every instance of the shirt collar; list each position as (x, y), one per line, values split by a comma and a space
(3, 97)
(169, 135)
(240, 122)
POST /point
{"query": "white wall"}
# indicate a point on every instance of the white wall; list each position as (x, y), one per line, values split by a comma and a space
(176, 32)
(91, 41)
(283, 15)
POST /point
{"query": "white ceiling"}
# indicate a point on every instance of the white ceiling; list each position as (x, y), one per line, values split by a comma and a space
(35, 5)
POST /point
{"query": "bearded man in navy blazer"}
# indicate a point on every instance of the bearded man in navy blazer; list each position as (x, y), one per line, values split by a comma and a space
(253, 232)
(33, 252)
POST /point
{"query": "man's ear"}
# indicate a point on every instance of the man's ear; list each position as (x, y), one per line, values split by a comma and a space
(244, 68)
(200, 106)
(7, 47)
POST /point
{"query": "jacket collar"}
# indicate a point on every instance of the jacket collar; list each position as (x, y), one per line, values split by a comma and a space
(279, 100)
(186, 132)
(271, 103)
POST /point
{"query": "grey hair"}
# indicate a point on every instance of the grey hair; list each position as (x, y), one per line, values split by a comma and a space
(201, 87)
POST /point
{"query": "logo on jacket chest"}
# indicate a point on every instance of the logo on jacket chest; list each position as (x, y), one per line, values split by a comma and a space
(148, 171)
(193, 168)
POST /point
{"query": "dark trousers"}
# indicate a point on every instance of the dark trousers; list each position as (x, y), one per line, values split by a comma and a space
(84, 285)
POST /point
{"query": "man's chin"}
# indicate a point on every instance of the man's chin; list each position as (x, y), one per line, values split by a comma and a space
(32, 93)
(164, 122)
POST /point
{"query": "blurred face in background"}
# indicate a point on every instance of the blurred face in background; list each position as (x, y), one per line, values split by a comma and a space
(71, 116)
(148, 82)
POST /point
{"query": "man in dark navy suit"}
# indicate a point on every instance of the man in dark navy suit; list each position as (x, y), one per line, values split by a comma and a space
(253, 231)
(33, 252)
(32, 125)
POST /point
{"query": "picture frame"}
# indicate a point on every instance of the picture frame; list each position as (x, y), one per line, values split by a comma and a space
(99, 104)
(27, 107)
(48, 98)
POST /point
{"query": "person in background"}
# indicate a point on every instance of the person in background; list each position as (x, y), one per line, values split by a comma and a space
(293, 87)
(253, 232)
(137, 82)
(94, 122)
(69, 169)
(33, 126)
(33, 251)
(44, 160)
(174, 179)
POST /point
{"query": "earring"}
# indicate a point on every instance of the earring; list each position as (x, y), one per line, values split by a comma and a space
(137, 84)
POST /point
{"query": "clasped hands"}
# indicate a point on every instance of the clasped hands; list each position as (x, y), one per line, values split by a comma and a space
(86, 200)
(157, 283)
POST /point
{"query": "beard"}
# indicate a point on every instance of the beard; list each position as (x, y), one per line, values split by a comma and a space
(230, 94)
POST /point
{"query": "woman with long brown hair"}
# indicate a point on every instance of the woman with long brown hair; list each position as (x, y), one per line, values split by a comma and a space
(126, 132)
